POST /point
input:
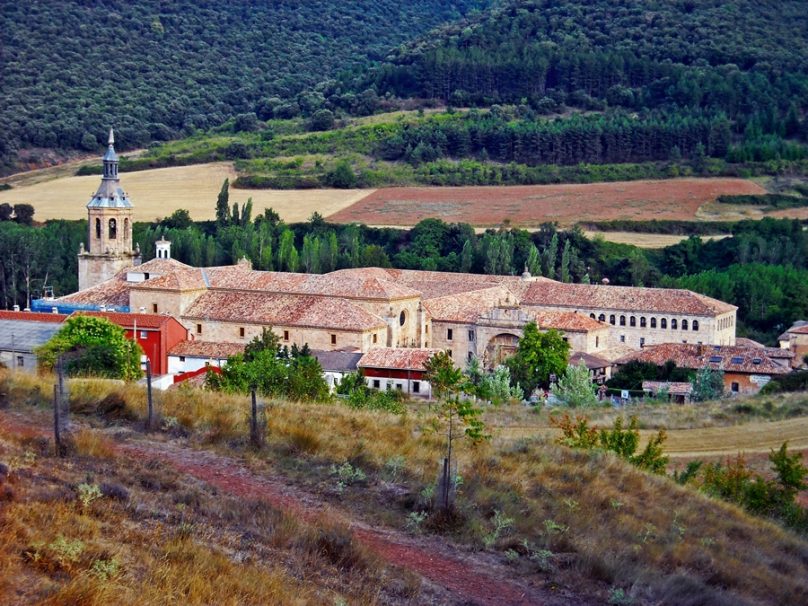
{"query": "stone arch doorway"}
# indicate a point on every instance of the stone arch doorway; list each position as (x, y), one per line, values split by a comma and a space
(500, 348)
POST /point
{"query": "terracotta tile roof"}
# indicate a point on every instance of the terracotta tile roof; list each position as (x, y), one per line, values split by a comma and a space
(592, 362)
(183, 279)
(744, 342)
(127, 320)
(206, 349)
(466, 307)
(750, 360)
(112, 293)
(625, 298)
(32, 316)
(567, 321)
(397, 358)
(799, 328)
(159, 266)
(673, 388)
(283, 310)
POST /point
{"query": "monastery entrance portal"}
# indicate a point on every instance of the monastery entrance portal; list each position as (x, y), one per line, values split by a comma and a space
(500, 348)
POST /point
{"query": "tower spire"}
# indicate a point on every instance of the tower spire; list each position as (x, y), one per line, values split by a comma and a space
(111, 137)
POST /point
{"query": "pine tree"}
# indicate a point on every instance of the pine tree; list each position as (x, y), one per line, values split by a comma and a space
(223, 204)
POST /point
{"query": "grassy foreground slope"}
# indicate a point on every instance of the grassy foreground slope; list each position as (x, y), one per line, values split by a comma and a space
(554, 516)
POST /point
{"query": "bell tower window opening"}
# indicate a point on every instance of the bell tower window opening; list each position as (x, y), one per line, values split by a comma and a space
(98, 229)
(126, 230)
(113, 229)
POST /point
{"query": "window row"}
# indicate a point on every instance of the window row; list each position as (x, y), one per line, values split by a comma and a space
(644, 322)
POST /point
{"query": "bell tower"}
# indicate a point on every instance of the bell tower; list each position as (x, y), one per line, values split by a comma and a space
(109, 218)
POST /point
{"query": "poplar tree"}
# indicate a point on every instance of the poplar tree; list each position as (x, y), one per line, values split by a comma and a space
(565, 262)
(223, 204)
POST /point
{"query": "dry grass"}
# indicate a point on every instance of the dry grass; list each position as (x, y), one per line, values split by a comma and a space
(580, 517)
(171, 543)
(158, 192)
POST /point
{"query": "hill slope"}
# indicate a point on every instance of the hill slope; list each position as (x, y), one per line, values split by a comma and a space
(71, 69)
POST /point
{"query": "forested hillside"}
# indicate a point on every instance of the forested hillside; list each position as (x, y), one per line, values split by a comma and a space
(742, 60)
(157, 70)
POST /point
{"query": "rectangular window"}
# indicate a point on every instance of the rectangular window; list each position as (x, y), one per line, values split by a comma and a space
(182, 358)
(622, 338)
(199, 329)
(642, 341)
(20, 361)
(240, 331)
(143, 334)
(333, 339)
(376, 384)
(416, 387)
(375, 338)
(154, 308)
(735, 387)
(449, 334)
(449, 351)
(285, 335)
(399, 387)
(471, 355)
(471, 335)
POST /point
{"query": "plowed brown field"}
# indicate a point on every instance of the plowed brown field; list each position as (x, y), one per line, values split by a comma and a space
(530, 205)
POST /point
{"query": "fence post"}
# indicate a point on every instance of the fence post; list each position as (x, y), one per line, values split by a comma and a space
(256, 436)
(150, 403)
(57, 438)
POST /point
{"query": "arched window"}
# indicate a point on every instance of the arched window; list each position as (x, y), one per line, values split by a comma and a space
(98, 229)
(402, 318)
(126, 230)
(602, 317)
(113, 229)
(653, 322)
(622, 320)
(632, 321)
(643, 323)
(684, 324)
(592, 316)
(611, 320)
(695, 324)
(674, 325)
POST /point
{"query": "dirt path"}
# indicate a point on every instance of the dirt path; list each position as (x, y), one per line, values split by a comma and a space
(470, 577)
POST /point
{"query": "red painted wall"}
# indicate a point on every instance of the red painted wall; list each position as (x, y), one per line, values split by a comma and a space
(158, 342)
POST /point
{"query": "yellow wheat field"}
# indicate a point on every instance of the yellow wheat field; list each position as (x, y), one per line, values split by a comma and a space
(159, 192)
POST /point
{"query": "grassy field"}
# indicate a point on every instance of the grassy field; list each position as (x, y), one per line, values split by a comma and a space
(158, 192)
(555, 516)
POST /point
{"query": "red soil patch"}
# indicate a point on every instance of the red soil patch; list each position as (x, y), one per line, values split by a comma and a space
(530, 205)
(468, 577)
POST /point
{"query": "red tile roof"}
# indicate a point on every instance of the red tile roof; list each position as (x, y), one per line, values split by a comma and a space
(673, 388)
(466, 307)
(112, 293)
(206, 349)
(567, 321)
(32, 316)
(397, 358)
(127, 320)
(592, 362)
(623, 298)
(283, 310)
(748, 360)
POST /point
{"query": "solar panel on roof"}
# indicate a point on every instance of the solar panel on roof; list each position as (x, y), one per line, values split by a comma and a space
(757, 360)
(716, 359)
(737, 360)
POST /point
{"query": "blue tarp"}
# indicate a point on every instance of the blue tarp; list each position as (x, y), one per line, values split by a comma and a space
(47, 305)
